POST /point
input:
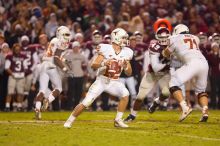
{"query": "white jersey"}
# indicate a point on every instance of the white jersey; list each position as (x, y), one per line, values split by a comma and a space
(109, 53)
(185, 47)
(55, 48)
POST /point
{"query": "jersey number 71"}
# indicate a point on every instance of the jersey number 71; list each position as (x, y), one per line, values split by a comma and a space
(192, 43)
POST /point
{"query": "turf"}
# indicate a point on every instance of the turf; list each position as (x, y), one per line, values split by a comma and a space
(96, 129)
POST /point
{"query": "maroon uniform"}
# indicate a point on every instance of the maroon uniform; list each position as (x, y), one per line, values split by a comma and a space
(16, 62)
(29, 52)
(156, 48)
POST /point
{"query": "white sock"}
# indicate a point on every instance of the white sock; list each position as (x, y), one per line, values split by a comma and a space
(19, 104)
(183, 105)
(133, 112)
(51, 98)
(38, 105)
(157, 100)
(204, 109)
(71, 118)
(119, 115)
(7, 105)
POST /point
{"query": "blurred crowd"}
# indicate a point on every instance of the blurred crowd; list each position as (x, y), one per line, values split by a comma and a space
(30, 25)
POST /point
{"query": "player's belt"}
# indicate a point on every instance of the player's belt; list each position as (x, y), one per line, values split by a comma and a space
(115, 77)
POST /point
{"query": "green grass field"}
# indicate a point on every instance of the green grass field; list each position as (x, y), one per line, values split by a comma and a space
(96, 129)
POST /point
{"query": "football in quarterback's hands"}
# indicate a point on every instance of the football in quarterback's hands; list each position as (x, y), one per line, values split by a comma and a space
(113, 68)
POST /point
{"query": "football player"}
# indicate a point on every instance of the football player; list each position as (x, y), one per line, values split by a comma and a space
(158, 72)
(14, 65)
(110, 61)
(49, 70)
(185, 46)
(30, 61)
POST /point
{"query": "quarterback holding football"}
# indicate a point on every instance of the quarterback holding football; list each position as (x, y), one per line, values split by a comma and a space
(110, 61)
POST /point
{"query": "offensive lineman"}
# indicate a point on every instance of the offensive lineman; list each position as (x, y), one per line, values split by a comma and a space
(185, 47)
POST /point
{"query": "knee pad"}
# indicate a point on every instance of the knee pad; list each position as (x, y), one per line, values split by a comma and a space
(165, 92)
(174, 89)
(89, 99)
(141, 95)
(201, 94)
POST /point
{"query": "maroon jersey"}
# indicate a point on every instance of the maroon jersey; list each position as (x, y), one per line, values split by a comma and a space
(41, 50)
(91, 46)
(16, 62)
(29, 62)
(156, 49)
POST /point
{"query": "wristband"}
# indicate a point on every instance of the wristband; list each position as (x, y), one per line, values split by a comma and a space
(64, 69)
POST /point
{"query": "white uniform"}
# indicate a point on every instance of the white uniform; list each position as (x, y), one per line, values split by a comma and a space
(104, 83)
(49, 70)
(185, 47)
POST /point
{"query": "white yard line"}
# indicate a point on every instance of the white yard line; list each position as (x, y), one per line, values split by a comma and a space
(147, 132)
(34, 122)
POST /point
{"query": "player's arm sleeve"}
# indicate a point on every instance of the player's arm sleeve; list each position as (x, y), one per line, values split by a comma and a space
(7, 64)
(128, 69)
(7, 67)
(36, 60)
(155, 63)
(130, 54)
(36, 73)
(101, 49)
(59, 62)
(171, 45)
(96, 63)
(98, 57)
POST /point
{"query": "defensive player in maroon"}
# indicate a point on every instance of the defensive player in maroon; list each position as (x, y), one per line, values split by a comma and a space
(14, 65)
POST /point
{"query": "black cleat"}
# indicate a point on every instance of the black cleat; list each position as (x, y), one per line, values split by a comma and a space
(45, 104)
(7, 109)
(37, 115)
(129, 118)
(204, 118)
(20, 109)
(153, 107)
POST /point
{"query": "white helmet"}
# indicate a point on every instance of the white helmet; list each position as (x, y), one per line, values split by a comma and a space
(180, 28)
(63, 34)
(120, 37)
(162, 35)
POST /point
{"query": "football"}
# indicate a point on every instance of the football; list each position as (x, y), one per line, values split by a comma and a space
(113, 68)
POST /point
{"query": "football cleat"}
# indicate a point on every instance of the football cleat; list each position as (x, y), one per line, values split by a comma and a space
(130, 118)
(205, 116)
(185, 114)
(7, 109)
(120, 123)
(67, 124)
(37, 114)
(153, 107)
(20, 109)
(45, 104)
